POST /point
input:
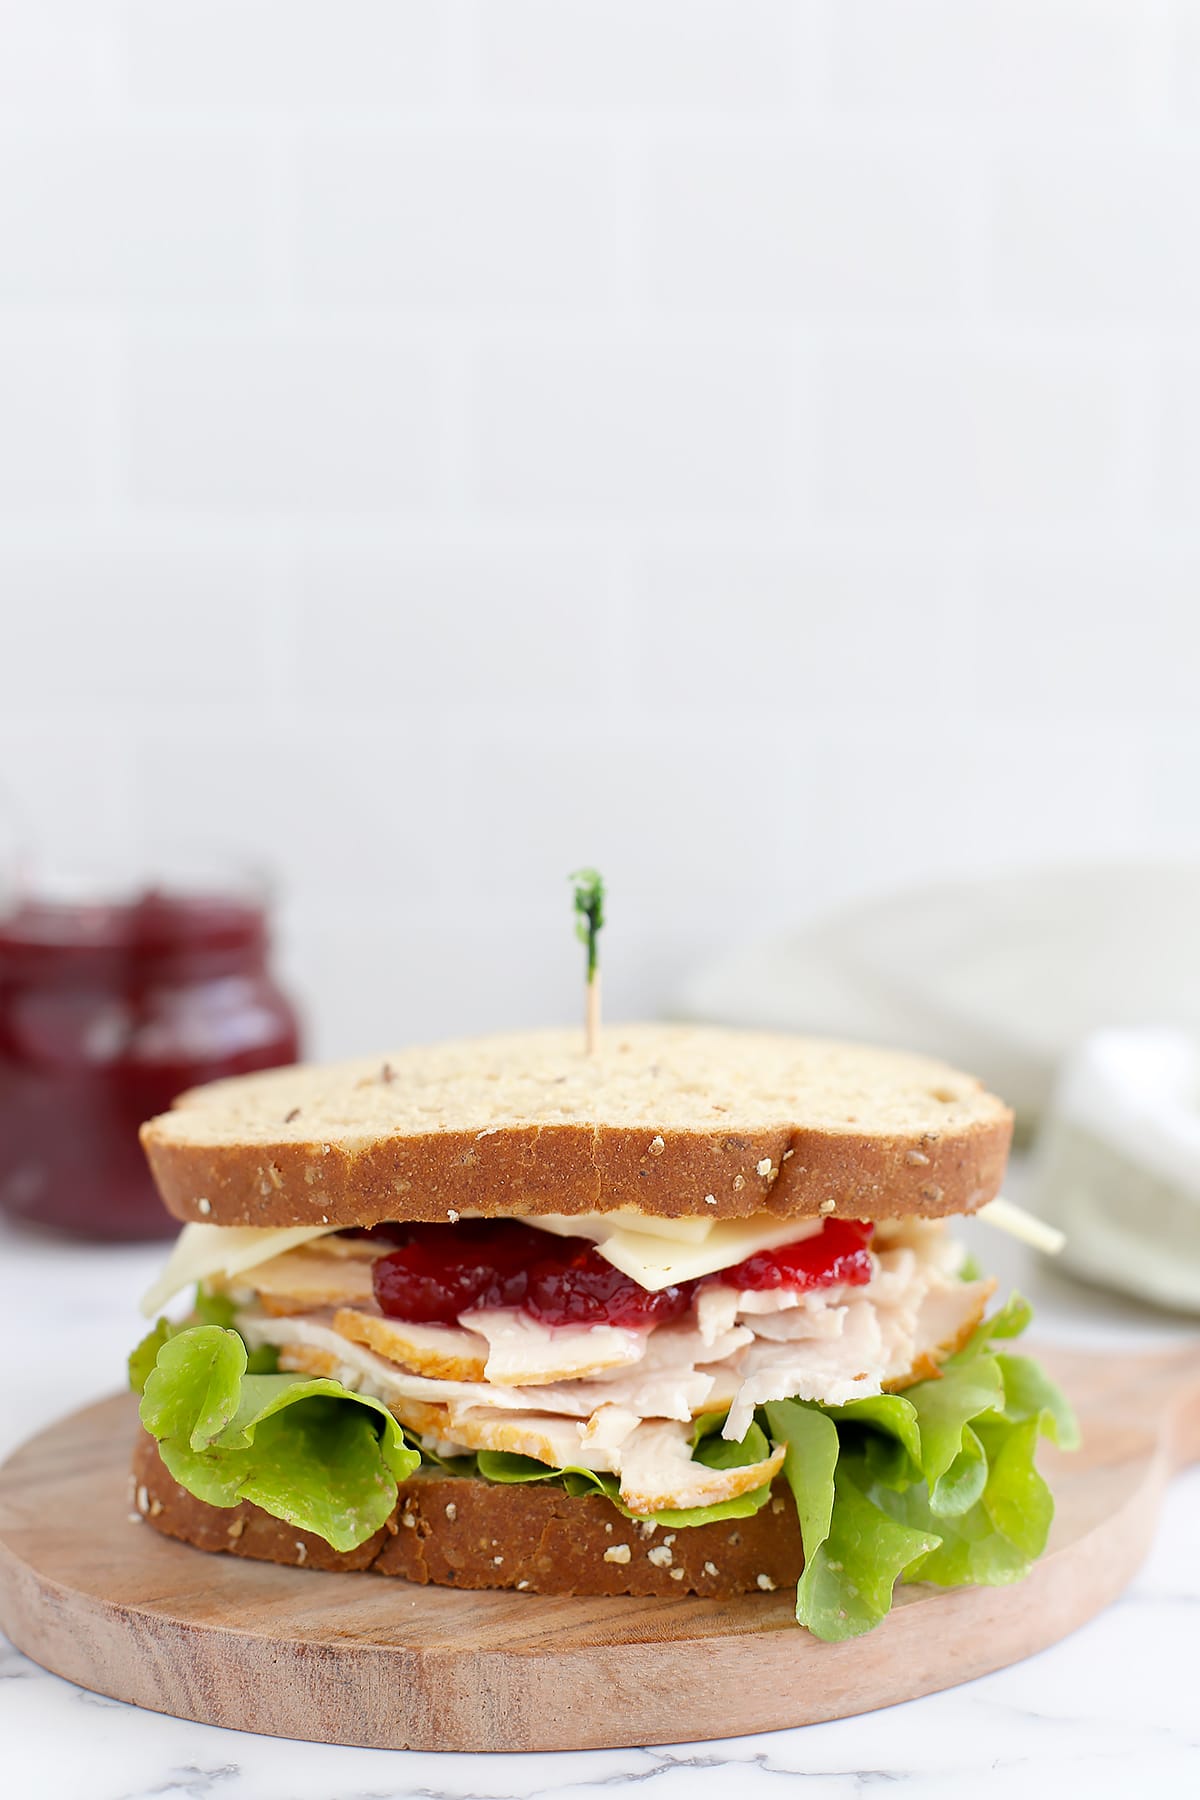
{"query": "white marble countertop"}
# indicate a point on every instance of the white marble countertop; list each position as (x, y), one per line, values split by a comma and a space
(1110, 1710)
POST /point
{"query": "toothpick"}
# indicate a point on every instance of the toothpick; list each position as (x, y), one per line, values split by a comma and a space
(589, 908)
(592, 1015)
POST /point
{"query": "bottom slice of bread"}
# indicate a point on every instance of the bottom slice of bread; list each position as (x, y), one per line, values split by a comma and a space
(461, 1531)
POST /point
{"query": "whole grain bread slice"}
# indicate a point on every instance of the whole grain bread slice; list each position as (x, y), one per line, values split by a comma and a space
(461, 1531)
(672, 1120)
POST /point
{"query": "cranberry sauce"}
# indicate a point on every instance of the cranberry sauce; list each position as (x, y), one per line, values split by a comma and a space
(837, 1254)
(577, 1287)
(440, 1271)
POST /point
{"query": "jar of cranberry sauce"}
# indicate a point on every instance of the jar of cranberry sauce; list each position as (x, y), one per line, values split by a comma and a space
(108, 1009)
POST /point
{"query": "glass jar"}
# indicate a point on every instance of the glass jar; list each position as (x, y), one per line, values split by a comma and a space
(109, 1008)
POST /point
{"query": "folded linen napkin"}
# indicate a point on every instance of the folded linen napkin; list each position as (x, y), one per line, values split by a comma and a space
(1118, 1164)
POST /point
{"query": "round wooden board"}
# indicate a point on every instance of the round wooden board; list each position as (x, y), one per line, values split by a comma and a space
(95, 1595)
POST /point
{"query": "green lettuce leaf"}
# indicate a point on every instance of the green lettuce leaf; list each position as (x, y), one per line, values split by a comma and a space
(1030, 1394)
(945, 1407)
(212, 1309)
(308, 1451)
(219, 1309)
(847, 1587)
(1009, 1322)
(959, 1486)
(207, 1309)
(893, 1414)
(143, 1358)
(811, 1450)
(937, 1484)
(995, 1540)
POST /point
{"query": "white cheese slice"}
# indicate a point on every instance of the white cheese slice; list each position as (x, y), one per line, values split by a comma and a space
(1018, 1223)
(204, 1250)
(687, 1231)
(658, 1263)
(599, 1226)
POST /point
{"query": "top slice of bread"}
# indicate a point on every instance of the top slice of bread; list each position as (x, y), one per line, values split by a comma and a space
(672, 1120)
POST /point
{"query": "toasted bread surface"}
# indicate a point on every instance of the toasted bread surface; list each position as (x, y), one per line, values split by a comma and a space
(673, 1121)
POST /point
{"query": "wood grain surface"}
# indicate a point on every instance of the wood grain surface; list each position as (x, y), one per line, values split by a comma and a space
(91, 1593)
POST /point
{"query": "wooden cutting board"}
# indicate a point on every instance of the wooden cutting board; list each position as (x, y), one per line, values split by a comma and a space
(355, 1659)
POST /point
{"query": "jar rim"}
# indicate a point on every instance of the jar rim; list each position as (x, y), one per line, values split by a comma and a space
(48, 939)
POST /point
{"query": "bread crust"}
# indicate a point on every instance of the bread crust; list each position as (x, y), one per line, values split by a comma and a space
(948, 1157)
(460, 1531)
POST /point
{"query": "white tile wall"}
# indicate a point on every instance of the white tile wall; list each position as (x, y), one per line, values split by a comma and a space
(946, 433)
(58, 54)
(1175, 411)
(476, 224)
(52, 437)
(282, 419)
(611, 57)
(88, 635)
(1052, 230)
(279, 58)
(799, 225)
(1056, 62)
(521, 654)
(753, 635)
(1185, 60)
(650, 428)
(127, 218)
(751, 444)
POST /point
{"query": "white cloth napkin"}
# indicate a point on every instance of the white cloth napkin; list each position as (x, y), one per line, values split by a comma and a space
(1118, 1164)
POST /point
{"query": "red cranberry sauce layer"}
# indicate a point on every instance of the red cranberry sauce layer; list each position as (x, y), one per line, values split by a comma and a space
(439, 1271)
